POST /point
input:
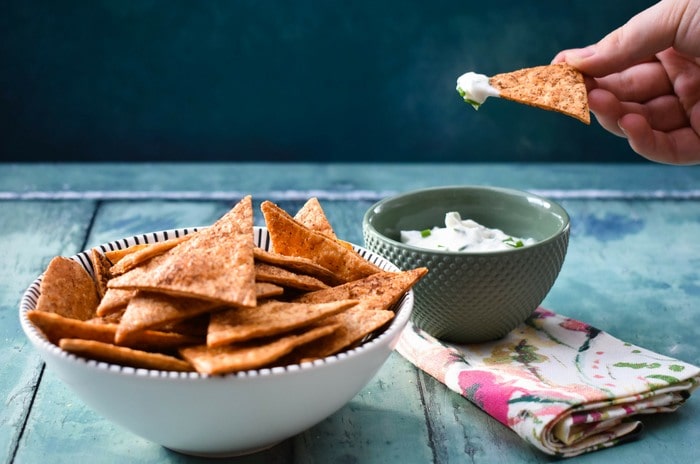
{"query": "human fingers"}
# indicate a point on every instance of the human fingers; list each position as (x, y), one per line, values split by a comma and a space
(607, 109)
(681, 146)
(639, 83)
(645, 34)
(663, 113)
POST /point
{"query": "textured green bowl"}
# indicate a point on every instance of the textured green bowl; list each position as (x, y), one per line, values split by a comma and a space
(473, 297)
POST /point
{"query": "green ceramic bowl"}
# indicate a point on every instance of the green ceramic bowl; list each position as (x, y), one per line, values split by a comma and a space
(473, 297)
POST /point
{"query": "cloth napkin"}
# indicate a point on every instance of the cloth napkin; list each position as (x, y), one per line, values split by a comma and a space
(562, 385)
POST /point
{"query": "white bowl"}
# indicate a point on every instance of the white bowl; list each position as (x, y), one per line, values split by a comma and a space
(223, 415)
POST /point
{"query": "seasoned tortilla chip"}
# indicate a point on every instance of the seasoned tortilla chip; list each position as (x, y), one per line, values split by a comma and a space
(114, 300)
(289, 237)
(124, 356)
(101, 268)
(236, 325)
(111, 318)
(143, 254)
(296, 264)
(147, 310)
(56, 327)
(267, 290)
(311, 215)
(252, 355)
(216, 264)
(355, 324)
(67, 289)
(114, 256)
(194, 326)
(555, 87)
(277, 275)
(378, 291)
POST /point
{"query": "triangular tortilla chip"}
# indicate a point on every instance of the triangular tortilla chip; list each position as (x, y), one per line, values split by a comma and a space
(296, 264)
(378, 291)
(67, 289)
(57, 327)
(555, 87)
(233, 358)
(143, 254)
(267, 290)
(124, 356)
(114, 299)
(115, 255)
(216, 264)
(289, 237)
(311, 215)
(236, 325)
(355, 324)
(101, 268)
(147, 310)
(268, 273)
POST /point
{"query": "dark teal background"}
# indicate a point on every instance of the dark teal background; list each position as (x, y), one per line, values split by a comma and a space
(304, 80)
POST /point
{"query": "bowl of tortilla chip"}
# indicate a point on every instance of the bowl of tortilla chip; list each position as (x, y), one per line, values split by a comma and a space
(219, 340)
(493, 255)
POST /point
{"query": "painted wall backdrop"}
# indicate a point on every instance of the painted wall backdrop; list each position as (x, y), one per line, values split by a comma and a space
(276, 80)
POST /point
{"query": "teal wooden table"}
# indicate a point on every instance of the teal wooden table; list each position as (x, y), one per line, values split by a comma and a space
(631, 270)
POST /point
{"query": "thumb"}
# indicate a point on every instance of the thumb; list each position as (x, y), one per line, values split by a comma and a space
(638, 40)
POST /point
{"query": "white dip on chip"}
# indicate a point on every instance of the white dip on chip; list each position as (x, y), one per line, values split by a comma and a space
(462, 235)
(475, 88)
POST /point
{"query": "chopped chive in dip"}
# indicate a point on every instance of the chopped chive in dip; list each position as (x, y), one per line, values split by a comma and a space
(425, 233)
(510, 241)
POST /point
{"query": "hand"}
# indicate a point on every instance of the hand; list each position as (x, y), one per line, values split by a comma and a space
(644, 81)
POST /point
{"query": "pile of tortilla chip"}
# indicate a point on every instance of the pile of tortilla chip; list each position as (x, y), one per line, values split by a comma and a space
(215, 303)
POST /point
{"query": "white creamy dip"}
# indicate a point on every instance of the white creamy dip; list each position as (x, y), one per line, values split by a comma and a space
(475, 88)
(462, 235)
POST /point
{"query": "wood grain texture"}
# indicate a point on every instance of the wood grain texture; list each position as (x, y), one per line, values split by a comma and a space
(631, 270)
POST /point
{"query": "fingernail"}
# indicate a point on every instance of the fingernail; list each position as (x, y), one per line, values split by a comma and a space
(619, 124)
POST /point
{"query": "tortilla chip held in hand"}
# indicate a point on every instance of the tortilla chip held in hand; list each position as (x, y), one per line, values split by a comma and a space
(555, 87)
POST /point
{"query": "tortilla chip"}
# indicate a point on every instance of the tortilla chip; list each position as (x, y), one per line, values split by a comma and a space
(111, 318)
(378, 291)
(195, 326)
(114, 300)
(114, 256)
(56, 327)
(555, 87)
(296, 264)
(277, 275)
(124, 356)
(355, 324)
(311, 215)
(143, 254)
(271, 318)
(253, 355)
(289, 237)
(216, 264)
(101, 268)
(267, 290)
(67, 289)
(148, 310)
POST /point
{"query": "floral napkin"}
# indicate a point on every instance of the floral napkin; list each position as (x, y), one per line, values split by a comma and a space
(562, 385)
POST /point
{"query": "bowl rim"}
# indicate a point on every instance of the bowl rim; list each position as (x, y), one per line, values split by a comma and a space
(403, 309)
(368, 227)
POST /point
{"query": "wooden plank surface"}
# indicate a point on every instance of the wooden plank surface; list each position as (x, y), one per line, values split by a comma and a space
(631, 270)
(30, 234)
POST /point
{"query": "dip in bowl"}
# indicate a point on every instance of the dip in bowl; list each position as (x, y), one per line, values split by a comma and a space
(473, 296)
